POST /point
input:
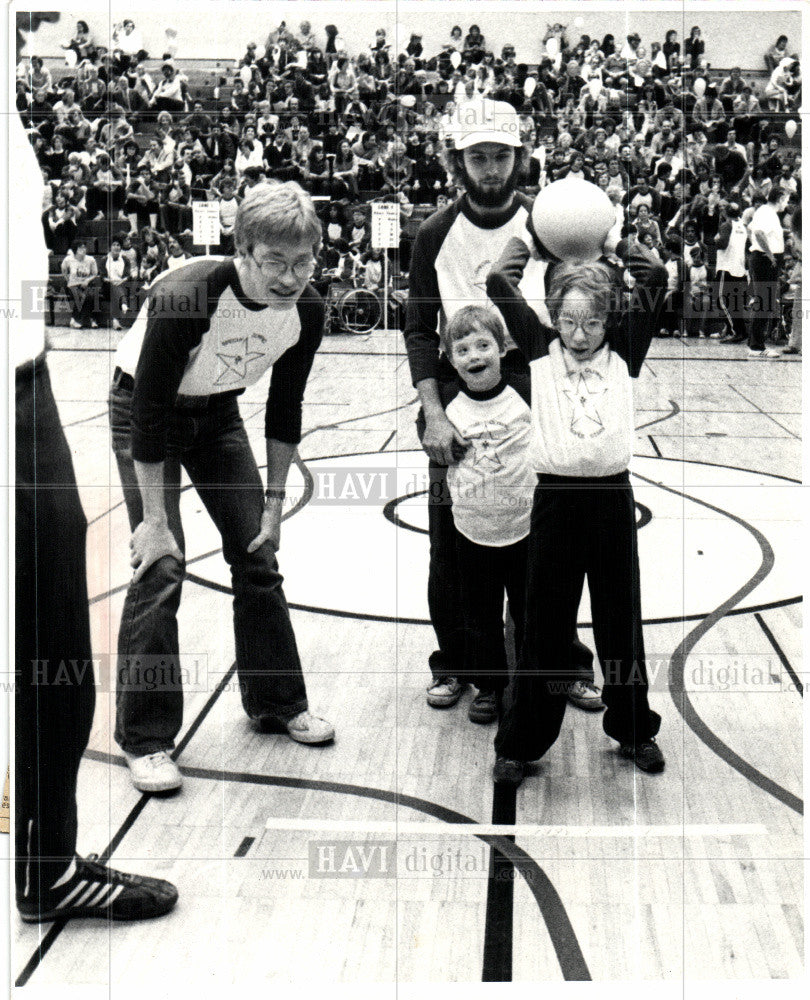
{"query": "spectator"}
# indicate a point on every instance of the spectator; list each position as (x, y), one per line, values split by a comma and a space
(693, 49)
(342, 83)
(39, 77)
(168, 95)
(127, 40)
(116, 274)
(59, 223)
(776, 53)
(228, 205)
(81, 272)
(474, 46)
(346, 168)
(767, 247)
(696, 297)
(732, 278)
(82, 42)
(141, 203)
(176, 255)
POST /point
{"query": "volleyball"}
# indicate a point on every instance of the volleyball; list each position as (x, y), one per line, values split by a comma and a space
(572, 219)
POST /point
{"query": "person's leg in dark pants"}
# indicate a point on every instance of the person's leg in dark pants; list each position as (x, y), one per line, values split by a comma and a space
(222, 467)
(482, 597)
(444, 587)
(615, 590)
(52, 628)
(732, 301)
(534, 705)
(763, 300)
(148, 716)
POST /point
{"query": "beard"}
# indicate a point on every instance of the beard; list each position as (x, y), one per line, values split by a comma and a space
(492, 196)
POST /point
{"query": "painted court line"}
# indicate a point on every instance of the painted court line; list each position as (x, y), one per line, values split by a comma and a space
(519, 829)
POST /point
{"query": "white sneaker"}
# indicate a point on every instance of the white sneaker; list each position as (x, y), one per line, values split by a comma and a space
(76, 325)
(93, 325)
(763, 355)
(116, 325)
(308, 728)
(154, 772)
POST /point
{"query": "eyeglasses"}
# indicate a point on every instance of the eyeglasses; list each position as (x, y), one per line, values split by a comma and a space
(275, 268)
(569, 326)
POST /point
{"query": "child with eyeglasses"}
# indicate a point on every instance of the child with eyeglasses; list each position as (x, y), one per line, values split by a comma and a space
(583, 519)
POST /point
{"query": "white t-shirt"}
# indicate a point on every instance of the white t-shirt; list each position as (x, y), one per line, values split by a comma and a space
(492, 486)
(766, 220)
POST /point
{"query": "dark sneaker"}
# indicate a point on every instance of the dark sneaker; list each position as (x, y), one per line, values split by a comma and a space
(586, 695)
(444, 692)
(94, 890)
(484, 707)
(647, 756)
(508, 772)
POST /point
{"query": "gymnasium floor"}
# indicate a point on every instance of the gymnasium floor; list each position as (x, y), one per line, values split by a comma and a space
(601, 872)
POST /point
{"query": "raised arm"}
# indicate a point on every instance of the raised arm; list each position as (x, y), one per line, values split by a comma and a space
(631, 330)
(522, 322)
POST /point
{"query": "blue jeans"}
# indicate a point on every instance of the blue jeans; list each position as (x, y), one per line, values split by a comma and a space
(208, 439)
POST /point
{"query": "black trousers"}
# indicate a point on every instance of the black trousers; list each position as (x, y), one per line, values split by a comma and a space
(763, 304)
(580, 527)
(487, 572)
(54, 695)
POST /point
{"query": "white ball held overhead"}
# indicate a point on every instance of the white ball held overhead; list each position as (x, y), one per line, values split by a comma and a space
(572, 219)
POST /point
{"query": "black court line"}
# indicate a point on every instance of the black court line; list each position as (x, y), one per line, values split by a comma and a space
(388, 440)
(84, 420)
(677, 687)
(656, 449)
(244, 847)
(561, 932)
(674, 411)
(780, 653)
(743, 360)
(764, 412)
(499, 921)
(56, 929)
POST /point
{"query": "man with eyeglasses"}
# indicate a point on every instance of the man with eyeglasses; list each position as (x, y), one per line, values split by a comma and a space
(206, 331)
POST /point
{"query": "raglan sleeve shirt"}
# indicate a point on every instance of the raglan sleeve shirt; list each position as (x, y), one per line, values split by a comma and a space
(173, 349)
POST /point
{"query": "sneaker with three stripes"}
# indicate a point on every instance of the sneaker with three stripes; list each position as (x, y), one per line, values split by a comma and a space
(91, 889)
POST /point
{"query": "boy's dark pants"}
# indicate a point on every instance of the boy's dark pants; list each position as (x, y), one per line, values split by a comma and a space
(486, 572)
(579, 527)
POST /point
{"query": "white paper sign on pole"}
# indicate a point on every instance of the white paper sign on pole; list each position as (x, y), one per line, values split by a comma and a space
(205, 223)
(384, 225)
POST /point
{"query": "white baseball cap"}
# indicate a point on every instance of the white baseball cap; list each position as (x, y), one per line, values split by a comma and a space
(486, 121)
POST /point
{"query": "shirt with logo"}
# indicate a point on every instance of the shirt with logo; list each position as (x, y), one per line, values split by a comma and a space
(582, 411)
(492, 485)
(198, 334)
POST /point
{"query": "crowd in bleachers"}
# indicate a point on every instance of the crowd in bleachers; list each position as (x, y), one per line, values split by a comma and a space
(683, 150)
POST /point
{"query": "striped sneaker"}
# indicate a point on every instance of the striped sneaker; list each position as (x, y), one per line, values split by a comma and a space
(94, 890)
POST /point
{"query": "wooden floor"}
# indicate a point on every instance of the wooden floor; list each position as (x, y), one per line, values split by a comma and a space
(602, 873)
